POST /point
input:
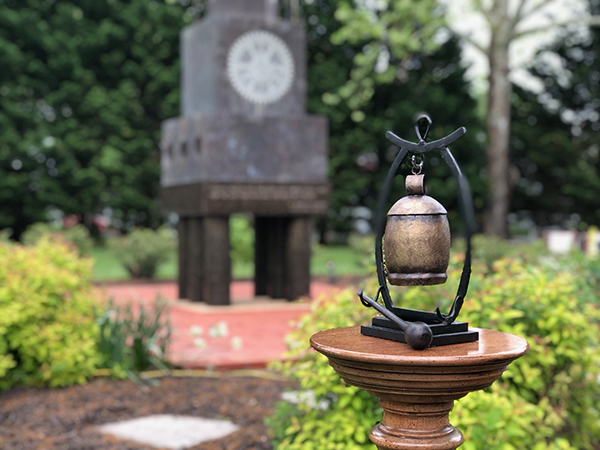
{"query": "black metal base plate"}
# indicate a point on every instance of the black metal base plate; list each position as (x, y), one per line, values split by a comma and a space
(456, 333)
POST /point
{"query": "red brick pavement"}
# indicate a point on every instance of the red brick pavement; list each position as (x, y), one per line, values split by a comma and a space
(249, 333)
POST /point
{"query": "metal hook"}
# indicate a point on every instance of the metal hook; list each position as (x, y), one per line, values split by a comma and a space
(416, 166)
(419, 123)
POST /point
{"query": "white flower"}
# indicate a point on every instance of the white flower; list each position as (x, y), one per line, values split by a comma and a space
(196, 330)
(219, 329)
(236, 343)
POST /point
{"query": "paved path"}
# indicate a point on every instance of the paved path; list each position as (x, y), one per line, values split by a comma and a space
(247, 334)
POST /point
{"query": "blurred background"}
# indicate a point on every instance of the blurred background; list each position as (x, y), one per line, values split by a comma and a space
(85, 85)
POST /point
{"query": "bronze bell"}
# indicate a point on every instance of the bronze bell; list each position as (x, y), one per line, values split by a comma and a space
(417, 238)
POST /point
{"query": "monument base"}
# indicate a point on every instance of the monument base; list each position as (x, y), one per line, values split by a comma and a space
(417, 388)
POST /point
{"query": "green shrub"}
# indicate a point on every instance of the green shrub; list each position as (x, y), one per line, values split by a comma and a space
(143, 250)
(78, 235)
(47, 330)
(548, 399)
(133, 341)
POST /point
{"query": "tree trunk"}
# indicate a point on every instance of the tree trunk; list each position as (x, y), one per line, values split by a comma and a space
(498, 125)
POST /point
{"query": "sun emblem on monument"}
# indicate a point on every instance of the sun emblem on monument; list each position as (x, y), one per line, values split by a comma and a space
(260, 67)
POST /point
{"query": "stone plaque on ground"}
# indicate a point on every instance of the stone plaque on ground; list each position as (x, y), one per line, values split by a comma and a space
(168, 431)
(244, 144)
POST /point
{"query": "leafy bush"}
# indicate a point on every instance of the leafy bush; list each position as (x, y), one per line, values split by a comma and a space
(556, 383)
(47, 331)
(133, 341)
(548, 399)
(143, 250)
(77, 235)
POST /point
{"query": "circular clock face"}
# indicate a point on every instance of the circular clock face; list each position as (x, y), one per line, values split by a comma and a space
(260, 67)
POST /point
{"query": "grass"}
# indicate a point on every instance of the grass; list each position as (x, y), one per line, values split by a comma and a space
(345, 261)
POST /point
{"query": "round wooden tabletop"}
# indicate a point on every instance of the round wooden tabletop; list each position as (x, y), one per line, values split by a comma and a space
(349, 344)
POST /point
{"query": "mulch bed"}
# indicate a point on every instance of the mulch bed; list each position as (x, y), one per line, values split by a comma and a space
(67, 418)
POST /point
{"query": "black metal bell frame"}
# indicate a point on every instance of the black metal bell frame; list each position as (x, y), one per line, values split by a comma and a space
(421, 329)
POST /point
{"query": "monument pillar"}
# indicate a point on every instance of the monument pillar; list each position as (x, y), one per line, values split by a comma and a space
(182, 257)
(282, 256)
(204, 261)
(244, 144)
(215, 260)
(297, 263)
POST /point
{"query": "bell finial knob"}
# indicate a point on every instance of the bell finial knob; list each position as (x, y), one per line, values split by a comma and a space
(415, 184)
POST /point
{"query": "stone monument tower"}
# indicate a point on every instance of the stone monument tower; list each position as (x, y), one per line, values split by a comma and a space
(243, 143)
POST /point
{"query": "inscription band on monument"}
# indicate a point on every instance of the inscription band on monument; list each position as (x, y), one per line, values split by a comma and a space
(225, 198)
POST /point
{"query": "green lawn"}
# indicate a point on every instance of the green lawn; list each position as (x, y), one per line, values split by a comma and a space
(346, 261)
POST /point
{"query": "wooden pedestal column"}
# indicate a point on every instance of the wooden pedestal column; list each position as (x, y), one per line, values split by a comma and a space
(282, 256)
(204, 261)
(417, 389)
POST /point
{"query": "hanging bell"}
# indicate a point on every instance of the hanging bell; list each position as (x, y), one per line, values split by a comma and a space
(417, 238)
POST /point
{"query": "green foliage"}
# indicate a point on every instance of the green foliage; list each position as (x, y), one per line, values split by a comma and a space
(242, 239)
(77, 235)
(548, 399)
(143, 250)
(560, 373)
(81, 106)
(47, 331)
(133, 340)
(499, 419)
(392, 30)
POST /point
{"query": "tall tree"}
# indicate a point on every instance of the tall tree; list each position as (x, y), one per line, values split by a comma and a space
(507, 22)
(84, 88)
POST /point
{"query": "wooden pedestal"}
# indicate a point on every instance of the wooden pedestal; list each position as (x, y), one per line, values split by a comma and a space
(417, 389)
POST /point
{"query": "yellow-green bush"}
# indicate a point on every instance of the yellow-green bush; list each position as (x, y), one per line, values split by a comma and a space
(47, 330)
(547, 400)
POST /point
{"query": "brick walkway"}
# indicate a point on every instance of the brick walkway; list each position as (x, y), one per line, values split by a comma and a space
(247, 334)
